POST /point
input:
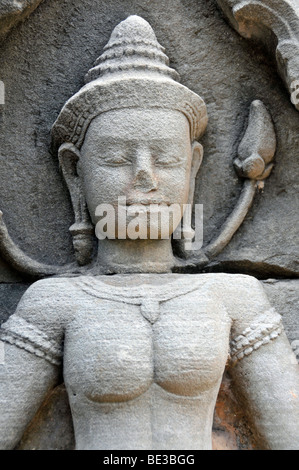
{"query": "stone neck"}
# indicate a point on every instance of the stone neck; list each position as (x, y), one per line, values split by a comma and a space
(134, 256)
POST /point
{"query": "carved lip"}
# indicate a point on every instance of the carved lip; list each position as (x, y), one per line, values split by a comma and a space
(147, 202)
(147, 207)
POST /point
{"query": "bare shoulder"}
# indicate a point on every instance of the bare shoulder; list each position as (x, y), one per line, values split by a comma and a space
(247, 305)
(39, 322)
(51, 289)
(47, 302)
(222, 284)
(242, 295)
(238, 289)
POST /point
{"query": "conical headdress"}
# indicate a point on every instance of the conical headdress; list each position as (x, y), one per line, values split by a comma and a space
(132, 72)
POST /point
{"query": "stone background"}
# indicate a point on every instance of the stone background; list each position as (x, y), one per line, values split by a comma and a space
(43, 62)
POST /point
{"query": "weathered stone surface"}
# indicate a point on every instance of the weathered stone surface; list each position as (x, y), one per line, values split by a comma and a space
(42, 335)
(10, 294)
(260, 19)
(284, 295)
(12, 12)
(7, 274)
(230, 427)
(228, 73)
(52, 428)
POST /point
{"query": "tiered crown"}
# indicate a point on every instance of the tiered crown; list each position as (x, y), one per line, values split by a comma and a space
(133, 71)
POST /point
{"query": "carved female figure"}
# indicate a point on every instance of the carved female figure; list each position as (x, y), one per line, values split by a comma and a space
(143, 350)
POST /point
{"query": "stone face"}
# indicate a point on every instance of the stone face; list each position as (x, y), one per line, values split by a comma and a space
(36, 94)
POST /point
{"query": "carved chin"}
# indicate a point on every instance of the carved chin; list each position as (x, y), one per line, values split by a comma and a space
(139, 221)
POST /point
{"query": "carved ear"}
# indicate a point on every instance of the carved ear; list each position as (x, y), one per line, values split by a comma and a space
(68, 156)
(82, 230)
(186, 231)
(197, 155)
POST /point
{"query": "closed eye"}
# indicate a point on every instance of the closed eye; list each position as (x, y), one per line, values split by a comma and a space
(169, 161)
(116, 160)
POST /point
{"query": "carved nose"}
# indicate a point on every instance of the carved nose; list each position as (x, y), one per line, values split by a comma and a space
(144, 179)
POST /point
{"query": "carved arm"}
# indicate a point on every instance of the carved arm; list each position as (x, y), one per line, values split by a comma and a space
(267, 382)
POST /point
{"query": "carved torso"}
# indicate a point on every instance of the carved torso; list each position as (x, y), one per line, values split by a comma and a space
(151, 342)
(143, 355)
(172, 334)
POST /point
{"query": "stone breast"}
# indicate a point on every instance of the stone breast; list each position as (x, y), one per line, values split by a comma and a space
(109, 352)
(190, 345)
(114, 353)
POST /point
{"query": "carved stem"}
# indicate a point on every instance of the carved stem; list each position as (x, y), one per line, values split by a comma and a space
(234, 221)
(23, 263)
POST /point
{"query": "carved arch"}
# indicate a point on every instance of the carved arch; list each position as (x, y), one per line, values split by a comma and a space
(254, 18)
(250, 18)
(12, 12)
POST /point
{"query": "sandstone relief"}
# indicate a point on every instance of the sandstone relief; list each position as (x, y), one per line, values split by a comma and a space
(147, 207)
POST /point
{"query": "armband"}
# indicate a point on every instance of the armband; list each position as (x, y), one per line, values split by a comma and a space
(25, 335)
(253, 337)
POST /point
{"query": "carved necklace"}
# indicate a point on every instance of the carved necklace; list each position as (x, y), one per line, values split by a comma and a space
(148, 297)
